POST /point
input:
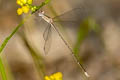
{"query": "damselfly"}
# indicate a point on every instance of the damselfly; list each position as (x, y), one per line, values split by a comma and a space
(47, 31)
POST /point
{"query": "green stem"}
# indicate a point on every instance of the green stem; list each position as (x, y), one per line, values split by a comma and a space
(2, 70)
(10, 36)
(42, 4)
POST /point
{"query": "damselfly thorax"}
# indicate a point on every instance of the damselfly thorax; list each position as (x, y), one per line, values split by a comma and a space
(45, 17)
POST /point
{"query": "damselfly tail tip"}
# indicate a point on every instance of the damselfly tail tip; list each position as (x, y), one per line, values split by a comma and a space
(87, 74)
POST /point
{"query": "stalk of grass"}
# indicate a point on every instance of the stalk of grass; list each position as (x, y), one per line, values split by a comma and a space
(10, 36)
(2, 69)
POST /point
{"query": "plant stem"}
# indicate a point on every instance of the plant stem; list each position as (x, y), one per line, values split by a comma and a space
(10, 36)
(2, 70)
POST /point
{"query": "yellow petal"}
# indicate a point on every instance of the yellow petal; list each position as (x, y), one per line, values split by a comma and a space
(19, 11)
(19, 2)
(24, 1)
(29, 1)
(47, 78)
(58, 76)
(55, 76)
(25, 9)
(52, 77)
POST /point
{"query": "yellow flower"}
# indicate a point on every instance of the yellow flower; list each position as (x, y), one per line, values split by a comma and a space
(52, 77)
(47, 78)
(19, 11)
(24, 1)
(55, 76)
(25, 9)
(58, 76)
(19, 2)
(29, 1)
(26, 5)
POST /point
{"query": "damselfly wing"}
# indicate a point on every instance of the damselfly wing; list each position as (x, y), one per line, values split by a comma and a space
(47, 35)
(71, 18)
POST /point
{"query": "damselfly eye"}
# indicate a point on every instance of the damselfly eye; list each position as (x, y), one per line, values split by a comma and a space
(41, 13)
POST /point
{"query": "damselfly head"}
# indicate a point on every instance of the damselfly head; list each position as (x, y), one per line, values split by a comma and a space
(41, 13)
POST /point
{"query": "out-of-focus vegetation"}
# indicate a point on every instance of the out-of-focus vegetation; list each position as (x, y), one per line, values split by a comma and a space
(94, 38)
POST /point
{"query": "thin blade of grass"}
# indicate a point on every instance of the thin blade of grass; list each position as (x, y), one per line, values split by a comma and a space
(10, 36)
(2, 70)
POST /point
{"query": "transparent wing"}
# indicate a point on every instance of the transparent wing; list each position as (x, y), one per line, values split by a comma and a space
(72, 15)
(48, 38)
(72, 18)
